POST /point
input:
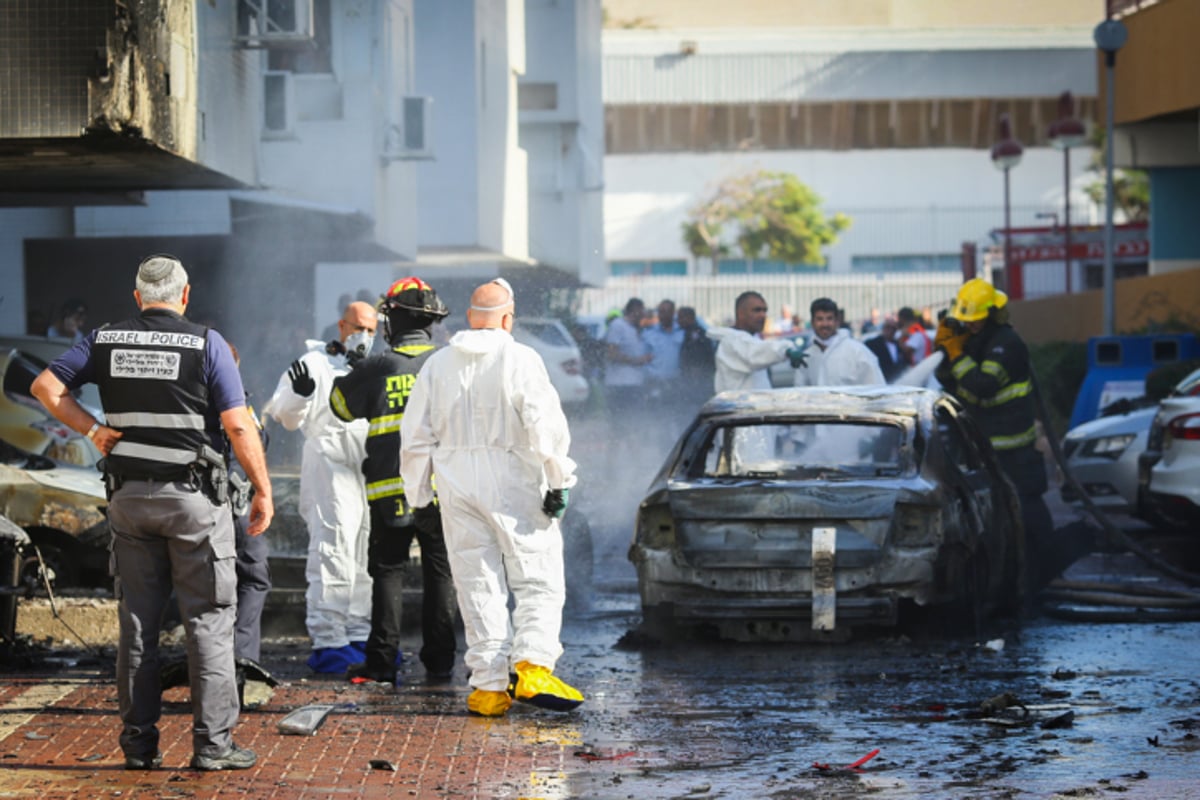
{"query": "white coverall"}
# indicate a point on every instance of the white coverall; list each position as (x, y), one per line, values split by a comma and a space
(743, 359)
(485, 420)
(844, 362)
(333, 504)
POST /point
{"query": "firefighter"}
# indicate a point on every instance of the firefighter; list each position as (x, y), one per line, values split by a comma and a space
(377, 390)
(987, 368)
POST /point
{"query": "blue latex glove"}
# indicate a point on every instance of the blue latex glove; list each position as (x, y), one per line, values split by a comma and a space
(554, 504)
(798, 353)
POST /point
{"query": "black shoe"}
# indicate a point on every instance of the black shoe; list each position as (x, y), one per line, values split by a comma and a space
(361, 673)
(233, 758)
(143, 762)
(439, 673)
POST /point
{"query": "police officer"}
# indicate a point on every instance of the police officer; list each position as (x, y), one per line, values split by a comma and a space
(377, 389)
(253, 566)
(168, 387)
(987, 369)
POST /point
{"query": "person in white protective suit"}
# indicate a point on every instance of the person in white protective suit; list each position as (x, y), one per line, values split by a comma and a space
(836, 358)
(484, 419)
(333, 500)
(743, 357)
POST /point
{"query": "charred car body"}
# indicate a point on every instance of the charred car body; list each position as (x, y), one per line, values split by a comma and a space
(49, 483)
(803, 513)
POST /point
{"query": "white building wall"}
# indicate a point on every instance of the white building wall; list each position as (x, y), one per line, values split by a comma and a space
(339, 161)
(17, 225)
(902, 202)
(503, 165)
(447, 62)
(173, 213)
(566, 145)
(228, 87)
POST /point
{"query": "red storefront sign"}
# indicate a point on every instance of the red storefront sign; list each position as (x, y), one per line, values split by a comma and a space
(1130, 248)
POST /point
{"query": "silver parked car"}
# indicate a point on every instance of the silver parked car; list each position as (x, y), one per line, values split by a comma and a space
(803, 513)
(1102, 456)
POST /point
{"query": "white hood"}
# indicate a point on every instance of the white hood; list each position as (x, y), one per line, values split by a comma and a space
(481, 341)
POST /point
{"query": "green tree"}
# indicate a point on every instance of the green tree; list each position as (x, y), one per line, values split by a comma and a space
(766, 215)
(1131, 187)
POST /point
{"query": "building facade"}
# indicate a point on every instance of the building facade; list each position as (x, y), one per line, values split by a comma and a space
(290, 152)
(887, 110)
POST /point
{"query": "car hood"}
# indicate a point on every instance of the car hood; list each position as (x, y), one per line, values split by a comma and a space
(1133, 422)
(70, 480)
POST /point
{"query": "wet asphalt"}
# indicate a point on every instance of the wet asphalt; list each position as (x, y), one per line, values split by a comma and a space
(1076, 709)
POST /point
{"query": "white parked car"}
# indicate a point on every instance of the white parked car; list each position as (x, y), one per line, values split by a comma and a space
(1174, 486)
(549, 337)
(1102, 455)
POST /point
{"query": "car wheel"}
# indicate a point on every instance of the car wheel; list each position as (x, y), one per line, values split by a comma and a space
(61, 565)
(10, 578)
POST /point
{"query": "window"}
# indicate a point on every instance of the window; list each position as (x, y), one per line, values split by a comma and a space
(805, 450)
(316, 58)
(537, 96)
(942, 262)
(672, 266)
(1093, 274)
(747, 266)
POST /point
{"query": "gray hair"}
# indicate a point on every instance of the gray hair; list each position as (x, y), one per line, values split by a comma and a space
(161, 279)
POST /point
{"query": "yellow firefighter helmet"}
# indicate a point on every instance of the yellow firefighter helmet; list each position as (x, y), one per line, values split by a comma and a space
(974, 300)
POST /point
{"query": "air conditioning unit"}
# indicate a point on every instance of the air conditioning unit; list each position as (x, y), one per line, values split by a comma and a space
(274, 23)
(410, 138)
(279, 106)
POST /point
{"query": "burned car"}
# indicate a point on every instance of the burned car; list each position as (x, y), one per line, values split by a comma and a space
(795, 514)
(24, 422)
(63, 509)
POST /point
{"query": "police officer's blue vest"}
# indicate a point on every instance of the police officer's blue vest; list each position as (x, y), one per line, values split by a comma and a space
(150, 371)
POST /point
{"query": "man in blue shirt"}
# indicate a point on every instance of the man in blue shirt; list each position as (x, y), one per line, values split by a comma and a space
(664, 339)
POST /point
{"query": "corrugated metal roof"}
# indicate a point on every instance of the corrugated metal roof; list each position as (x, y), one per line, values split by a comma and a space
(865, 65)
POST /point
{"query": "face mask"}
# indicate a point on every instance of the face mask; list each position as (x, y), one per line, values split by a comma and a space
(360, 343)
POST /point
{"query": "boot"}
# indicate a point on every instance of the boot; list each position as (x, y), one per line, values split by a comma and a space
(538, 687)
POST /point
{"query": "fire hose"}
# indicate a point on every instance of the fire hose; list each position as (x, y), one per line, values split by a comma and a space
(1169, 604)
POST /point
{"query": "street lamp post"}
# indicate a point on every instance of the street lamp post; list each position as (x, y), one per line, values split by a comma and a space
(1006, 154)
(1110, 36)
(1067, 132)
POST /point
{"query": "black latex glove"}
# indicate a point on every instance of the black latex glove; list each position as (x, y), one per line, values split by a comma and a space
(428, 519)
(554, 504)
(302, 382)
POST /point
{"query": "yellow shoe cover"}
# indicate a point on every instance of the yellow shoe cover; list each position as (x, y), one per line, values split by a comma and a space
(488, 704)
(536, 686)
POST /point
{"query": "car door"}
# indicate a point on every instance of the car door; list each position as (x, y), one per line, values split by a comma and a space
(970, 477)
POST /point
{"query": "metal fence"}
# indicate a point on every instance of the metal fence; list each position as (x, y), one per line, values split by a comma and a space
(713, 296)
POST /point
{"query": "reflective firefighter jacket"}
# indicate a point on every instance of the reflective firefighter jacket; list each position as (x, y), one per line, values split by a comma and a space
(377, 390)
(992, 379)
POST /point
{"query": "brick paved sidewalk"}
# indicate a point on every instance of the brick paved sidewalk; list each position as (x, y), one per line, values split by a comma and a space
(58, 739)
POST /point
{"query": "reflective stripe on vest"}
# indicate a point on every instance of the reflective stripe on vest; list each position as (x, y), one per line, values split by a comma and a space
(961, 367)
(1009, 393)
(996, 370)
(143, 419)
(1023, 439)
(389, 423)
(377, 490)
(150, 452)
(337, 401)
